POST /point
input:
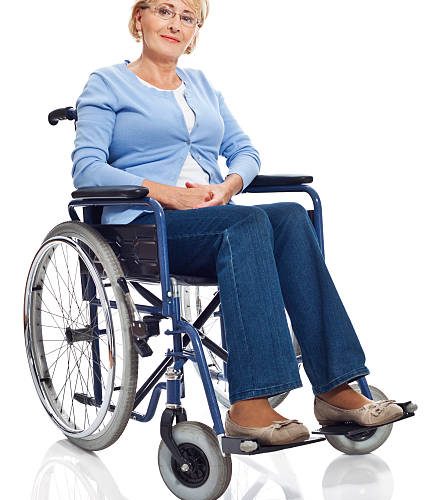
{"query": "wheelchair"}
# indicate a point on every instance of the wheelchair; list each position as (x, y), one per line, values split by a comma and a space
(85, 333)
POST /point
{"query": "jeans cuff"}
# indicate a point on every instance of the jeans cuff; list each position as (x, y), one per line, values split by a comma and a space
(342, 379)
(267, 391)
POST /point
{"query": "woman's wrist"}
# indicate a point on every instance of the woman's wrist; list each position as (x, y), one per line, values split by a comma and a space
(158, 191)
(234, 183)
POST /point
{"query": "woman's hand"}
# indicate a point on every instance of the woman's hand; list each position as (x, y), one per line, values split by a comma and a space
(215, 194)
(219, 194)
(181, 198)
(195, 195)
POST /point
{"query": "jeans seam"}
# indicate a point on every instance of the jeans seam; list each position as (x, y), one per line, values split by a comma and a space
(226, 236)
(194, 236)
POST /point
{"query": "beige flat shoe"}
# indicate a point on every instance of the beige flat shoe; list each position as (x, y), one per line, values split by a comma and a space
(371, 414)
(279, 432)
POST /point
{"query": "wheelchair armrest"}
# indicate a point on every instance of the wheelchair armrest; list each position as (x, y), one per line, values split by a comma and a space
(111, 192)
(278, 180)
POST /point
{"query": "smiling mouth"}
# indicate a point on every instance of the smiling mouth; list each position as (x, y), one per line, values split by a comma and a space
(170, 39)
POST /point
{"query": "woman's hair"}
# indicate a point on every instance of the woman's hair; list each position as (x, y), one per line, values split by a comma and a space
(201, 8)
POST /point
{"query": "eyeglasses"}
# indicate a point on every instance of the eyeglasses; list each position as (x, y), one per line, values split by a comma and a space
(165, 12)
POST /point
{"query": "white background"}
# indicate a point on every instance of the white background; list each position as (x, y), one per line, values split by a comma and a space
(346, 91)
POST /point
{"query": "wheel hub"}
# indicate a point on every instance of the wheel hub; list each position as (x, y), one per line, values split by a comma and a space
(195, 472)
(79, 334)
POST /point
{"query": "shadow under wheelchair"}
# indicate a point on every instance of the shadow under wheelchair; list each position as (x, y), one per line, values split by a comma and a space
(85, 333)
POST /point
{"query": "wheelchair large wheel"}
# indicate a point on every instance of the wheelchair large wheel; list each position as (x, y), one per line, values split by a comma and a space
(78, 336)
(369, 440)
(193, 300)
(210, 472)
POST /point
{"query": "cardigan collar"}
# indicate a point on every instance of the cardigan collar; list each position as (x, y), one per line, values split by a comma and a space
(178, 70)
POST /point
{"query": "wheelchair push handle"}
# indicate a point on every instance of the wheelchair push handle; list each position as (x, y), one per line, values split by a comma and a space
(68, 113)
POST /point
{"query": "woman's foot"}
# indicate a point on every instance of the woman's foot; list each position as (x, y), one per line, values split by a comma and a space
(343, 404)
(256, 419)
(345, 397)
(254, 413)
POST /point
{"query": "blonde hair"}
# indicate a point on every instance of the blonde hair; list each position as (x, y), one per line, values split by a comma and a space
(201, 8)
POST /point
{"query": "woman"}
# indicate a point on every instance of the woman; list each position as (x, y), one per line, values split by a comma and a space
(151, 123)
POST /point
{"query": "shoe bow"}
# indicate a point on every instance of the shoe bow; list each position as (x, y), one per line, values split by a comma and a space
(278, 424)
(378, 407)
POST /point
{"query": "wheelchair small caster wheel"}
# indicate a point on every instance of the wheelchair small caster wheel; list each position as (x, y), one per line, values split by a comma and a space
(369, 440)
(208, 472)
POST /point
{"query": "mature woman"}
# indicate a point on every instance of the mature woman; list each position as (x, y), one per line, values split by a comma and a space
(152, 123)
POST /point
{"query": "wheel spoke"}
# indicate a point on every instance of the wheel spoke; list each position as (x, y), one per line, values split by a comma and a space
(77, 343)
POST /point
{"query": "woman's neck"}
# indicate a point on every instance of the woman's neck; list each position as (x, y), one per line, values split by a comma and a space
(158, 72)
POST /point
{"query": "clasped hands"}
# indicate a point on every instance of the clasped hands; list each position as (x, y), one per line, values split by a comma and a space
(200, 196)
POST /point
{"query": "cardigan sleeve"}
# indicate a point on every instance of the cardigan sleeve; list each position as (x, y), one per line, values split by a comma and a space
(96, 116)
(241, 157)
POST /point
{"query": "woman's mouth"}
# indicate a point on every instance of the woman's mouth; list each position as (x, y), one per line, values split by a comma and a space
(172, 40)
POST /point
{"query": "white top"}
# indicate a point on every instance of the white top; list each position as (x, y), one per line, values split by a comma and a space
(191, 170)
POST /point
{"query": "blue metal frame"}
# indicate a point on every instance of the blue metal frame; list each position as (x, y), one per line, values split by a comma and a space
(171, 303)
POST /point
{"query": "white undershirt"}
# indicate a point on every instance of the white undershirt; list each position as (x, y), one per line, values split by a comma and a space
(191, 170)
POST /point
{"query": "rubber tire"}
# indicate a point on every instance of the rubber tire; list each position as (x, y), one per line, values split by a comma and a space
(220, 466)
(377, 436)
(125, 403)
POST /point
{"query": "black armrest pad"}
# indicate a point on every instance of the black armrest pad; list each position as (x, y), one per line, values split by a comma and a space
(114, 192)
(279, 180)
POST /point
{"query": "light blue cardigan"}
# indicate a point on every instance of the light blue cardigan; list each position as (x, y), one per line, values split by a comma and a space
(127, 132)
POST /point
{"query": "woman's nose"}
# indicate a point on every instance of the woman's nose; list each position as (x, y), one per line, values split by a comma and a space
(174, 23)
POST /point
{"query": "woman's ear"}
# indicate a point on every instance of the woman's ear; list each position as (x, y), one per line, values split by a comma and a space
(139, 20)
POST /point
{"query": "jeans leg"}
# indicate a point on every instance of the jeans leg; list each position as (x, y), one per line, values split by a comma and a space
(331, 351)
(235, 243)
(262, 360)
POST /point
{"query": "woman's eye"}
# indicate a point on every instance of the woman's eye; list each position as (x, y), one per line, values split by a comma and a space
(189, 19)
(164, 11)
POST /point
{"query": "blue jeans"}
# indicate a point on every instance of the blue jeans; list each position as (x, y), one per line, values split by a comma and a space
(266, 259)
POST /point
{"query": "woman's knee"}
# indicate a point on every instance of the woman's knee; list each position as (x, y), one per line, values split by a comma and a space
(254, 215)
(287, 211)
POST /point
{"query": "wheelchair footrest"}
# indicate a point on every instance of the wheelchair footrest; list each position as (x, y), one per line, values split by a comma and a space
(353, 429)
(246, 446)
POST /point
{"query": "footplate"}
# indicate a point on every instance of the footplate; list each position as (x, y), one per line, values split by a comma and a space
(352, 428)
(247, 446)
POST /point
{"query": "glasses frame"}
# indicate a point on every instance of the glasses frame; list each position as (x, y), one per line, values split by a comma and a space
(155, 9)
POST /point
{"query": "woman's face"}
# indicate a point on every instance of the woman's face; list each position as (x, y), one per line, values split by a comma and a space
(168, 38)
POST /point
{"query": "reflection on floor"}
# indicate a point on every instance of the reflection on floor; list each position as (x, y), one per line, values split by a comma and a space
(69, 473)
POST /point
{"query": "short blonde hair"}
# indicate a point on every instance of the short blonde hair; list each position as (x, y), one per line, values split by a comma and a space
(201, 7)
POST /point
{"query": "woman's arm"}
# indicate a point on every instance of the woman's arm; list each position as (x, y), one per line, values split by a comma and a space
(96, 108)
(241, 157)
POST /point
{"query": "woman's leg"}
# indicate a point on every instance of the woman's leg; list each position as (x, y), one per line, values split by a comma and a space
(331, 352)
(235, 243)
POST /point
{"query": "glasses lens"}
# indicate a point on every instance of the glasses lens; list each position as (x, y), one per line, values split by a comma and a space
(188, 20)
(164, 12)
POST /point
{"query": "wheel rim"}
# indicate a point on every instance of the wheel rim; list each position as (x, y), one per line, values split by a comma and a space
(199, 469)
(61, 338)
